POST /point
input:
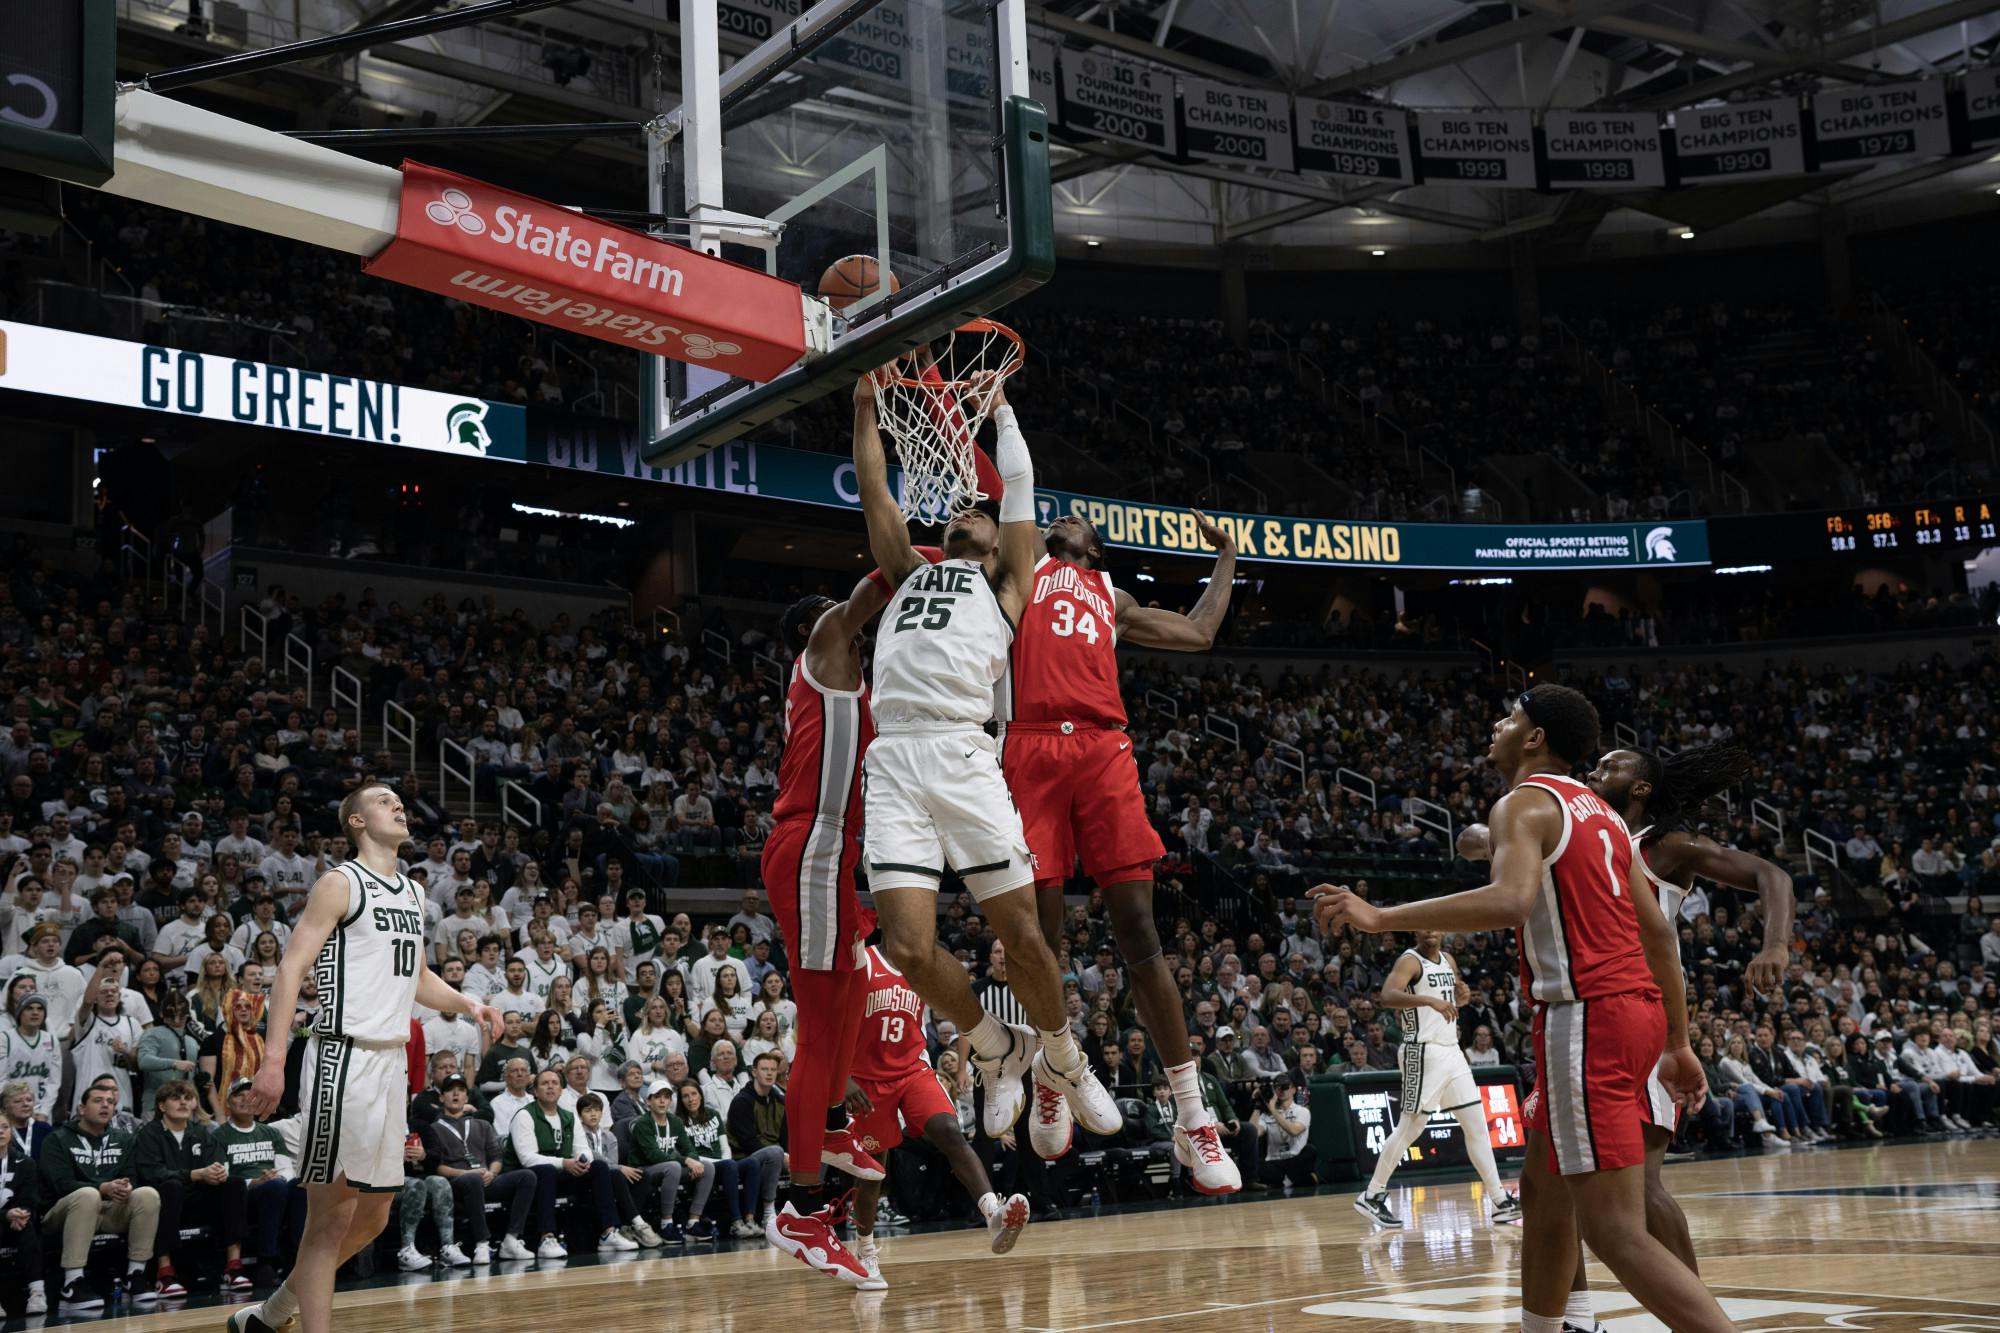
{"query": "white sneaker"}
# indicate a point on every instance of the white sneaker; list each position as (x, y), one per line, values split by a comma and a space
(1051, 1128)
(412, 1260)
(1199, 1149)
(642, 1231)
(744, 1229)
(1005, 1224)
(870, 1256)
(1775, 1142)
(1002, 1080)
(1092, 1106)
(38, 1300)
(1763, 1126)
(551, 1249)
(614, 1240)
(453, 1257)
(482, 1253)
(513, 1251)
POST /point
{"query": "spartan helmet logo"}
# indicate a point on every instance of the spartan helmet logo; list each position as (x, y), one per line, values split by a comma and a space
(466, 425)
(1660, 544)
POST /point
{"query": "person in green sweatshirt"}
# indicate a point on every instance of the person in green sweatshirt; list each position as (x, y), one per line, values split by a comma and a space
(167, 1050)
(20, 1197)
(513, 1045)
(255, 1155)
(661, 1149)
(172, 1153)
(87, 1189)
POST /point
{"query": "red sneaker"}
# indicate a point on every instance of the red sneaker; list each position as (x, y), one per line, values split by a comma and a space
(843, 1151)
(168, 1287)
(812, 1243)
(235, 1279)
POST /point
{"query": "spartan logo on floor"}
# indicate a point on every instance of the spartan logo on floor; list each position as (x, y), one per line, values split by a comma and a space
(1499, 1308)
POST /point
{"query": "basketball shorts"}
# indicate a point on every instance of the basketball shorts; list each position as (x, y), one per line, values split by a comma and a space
(1592, 1060)
(353, 1115)
(1079, 796)
(808, 869)
(1660, 1108)
(934, 799)
(902, 1109)
(1436, 1078)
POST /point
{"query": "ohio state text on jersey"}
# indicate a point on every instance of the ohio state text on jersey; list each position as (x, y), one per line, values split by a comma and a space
(1581, 939)
(1064, 663)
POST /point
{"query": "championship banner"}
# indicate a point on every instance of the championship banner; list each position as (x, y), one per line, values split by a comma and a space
(1118, 99)
(1231, 124)
(63, 364)
(522, 256)
(754, 19)
(1481, 147)
(1348, 139)
(893, 40)
(1982, 106)
(1740, 141)
(1604, 150)
(1042, 75)
(1891, 120)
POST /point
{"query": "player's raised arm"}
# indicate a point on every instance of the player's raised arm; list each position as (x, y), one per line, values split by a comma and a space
(1020, 536)
(1150, 627)
(833, 631)
(326, 904)
(888, 533)
(1773, 887)
(1525, 828)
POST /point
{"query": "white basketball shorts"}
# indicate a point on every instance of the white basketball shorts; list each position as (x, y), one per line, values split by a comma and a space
(353, 1115)
(1436, 1078)
(933, 799)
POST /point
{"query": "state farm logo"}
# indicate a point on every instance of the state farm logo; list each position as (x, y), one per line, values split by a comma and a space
(453, 208)
(701, 347)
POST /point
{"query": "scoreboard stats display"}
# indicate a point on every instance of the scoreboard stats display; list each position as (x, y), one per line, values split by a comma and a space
(1373, 1114)
(1880, 532)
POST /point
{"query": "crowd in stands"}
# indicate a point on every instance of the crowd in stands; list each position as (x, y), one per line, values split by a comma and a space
(1395, 418)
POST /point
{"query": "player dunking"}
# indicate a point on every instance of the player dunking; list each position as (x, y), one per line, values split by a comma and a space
(1073, 775)
(896, 1096)
(362, 933)
(808, 869)
(1424, 986)
(935, 794)
(1598, 957)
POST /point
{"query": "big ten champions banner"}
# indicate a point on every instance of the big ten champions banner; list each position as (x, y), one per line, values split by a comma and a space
(1481, 147)
(1230, 124)
(1118, 99)
(1740, 141)
(1350, 139)
(1603, 150)
(1889, 120)
(1982, 107)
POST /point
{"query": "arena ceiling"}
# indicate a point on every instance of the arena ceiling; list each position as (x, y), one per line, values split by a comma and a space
(1415, 54)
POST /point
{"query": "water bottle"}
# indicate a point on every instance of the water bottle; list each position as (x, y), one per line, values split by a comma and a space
(117, 1290)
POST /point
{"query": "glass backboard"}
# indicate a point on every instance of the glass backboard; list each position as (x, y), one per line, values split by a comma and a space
(897, 129)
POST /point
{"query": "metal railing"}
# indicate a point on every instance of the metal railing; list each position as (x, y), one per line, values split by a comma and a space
(210, 597)
(561, 356)
(510, 792)
(1429, 814)
(1290, 757)
(400, 724)
(1820, 845)
(1222, 727)
(451, 753)
(251, 625)
(716, 644)
(765, 666)
(1626, 735)
(666, 623)
(1366, 789)
(1953, 405)
(1515, 675)
(1770, 816)
(135, 550)
(1161, 701)
(299, 653)
(344, 687)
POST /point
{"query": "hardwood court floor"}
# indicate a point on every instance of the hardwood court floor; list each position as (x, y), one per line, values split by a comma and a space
(1882, 1239)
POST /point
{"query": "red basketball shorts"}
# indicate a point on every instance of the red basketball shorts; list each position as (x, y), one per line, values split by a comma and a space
(902, 1109)
(1592, 1060)
(1078, 793)
(808, 869)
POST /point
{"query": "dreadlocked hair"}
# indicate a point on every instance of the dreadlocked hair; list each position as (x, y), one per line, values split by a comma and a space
(1684, 781)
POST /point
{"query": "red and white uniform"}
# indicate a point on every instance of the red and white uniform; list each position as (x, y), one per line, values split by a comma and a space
(1600, 1028)
(810, 858)
(1660, 1108)
(889, 1062)
(1064, 749)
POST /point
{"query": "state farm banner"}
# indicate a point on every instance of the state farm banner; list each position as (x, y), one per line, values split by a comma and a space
(1348, 139)
(1890, 120)
(1739, 141)
(1226, 123)
(1982, 106)
(1119, 99)
(1480, 147)
(1604, 150)
(475, 242)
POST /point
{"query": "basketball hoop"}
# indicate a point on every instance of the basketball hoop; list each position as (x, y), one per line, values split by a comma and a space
(933, 415)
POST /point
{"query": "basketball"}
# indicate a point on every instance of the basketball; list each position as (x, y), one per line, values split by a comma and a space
(848, 280)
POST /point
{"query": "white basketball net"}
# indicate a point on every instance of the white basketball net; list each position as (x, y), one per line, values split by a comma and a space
(932, 417)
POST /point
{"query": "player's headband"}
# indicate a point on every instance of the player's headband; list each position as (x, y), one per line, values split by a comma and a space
(1526, 699)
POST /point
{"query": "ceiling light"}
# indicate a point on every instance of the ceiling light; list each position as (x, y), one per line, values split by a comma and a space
(1688, 235)
(1093, 243)
(1378, 253)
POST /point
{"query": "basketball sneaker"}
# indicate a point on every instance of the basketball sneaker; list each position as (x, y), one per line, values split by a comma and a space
(1200, 1150)
(1092, 1106)
(809, 1240)
(870, 1256)
(1506, 1209)
(1375, 1207)
(1005, 1097)
(1051, 1128)
(250, 1319)
(1006, 1223)
(843, 1152)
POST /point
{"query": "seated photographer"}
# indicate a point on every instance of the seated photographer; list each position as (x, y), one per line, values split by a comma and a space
(1284, 1125)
